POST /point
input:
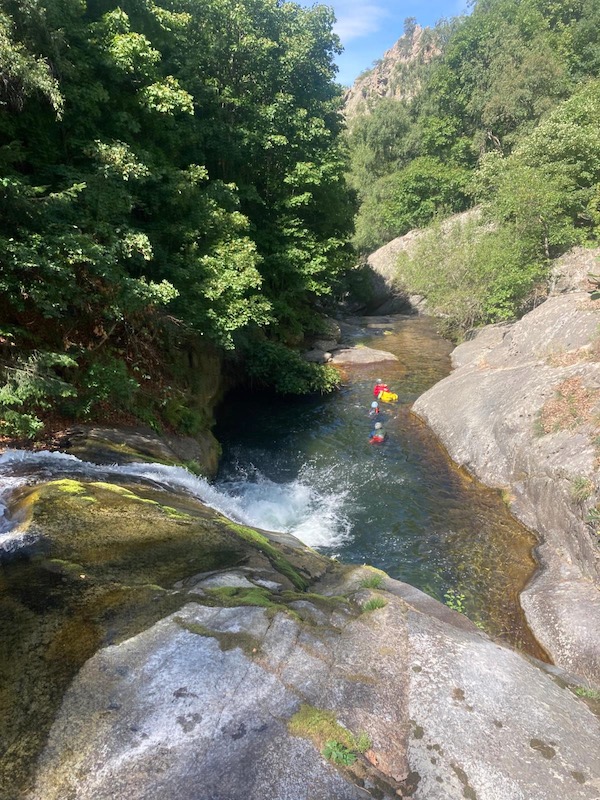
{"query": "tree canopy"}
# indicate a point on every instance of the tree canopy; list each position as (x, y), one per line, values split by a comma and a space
(175, 158)
(505, 115)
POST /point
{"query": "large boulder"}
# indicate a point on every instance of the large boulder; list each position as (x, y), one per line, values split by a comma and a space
(243, 703)
(387, 290)
(105, 445)
(520, 412)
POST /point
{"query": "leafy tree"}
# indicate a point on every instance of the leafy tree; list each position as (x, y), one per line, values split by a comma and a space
(410, 198)
(181, 154)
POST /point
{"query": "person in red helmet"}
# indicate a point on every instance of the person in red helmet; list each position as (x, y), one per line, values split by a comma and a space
(379, 387)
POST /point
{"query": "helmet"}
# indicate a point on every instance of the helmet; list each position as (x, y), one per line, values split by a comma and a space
(379, 380)
(378, 426)
(374, 404)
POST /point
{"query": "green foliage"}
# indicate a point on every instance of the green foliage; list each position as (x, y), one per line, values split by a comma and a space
(31, 382)
(373, 582)
(24, 73)
(582, 488)
(105, 380)
(182, 159)
(338, 743)
(377, 143)
(490, 99)
(455, 600)
(470, 272)
(273, 364)
(373, 604)
(585, 691)
(410, 198)
(338, 753)
(362, 742)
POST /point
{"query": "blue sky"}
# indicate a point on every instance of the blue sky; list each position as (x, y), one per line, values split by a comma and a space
(368, 28)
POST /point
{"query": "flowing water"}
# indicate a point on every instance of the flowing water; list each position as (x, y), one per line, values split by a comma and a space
(306, 466)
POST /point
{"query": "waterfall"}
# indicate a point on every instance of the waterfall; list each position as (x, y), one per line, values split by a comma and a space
(300, 507)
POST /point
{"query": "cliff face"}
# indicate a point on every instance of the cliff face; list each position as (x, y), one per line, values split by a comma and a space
(396, 75)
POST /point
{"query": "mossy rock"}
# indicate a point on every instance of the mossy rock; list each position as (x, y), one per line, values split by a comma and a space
(122, 534)
(110, 559)
(199, 452)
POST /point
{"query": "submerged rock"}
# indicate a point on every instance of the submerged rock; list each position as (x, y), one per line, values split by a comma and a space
(361, 355)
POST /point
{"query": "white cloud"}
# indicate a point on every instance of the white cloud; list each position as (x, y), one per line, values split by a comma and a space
(355, 19)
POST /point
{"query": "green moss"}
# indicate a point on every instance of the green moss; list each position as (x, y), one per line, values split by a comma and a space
(127, 537)
(173, 513)
(279, 562)
(68, 486)
(232, 596)
(249, 644)
(319, 726)
(326, 603)
(72, 488)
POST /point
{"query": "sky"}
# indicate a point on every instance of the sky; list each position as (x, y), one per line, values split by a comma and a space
(367, 28)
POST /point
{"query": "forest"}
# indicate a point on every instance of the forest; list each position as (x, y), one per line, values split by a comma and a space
(182, 169)
(165, 169)
(505, 118)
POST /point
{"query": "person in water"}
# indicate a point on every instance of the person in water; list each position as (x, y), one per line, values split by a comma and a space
(380, 387)
(377, 434)
(374, 408)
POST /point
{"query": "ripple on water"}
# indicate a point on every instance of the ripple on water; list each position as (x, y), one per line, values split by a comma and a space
(401, 507)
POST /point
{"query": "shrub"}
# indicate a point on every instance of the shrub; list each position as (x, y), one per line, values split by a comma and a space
(31, 381)
(273, 365)
(470, 273)
(106, 380)
(338, 753)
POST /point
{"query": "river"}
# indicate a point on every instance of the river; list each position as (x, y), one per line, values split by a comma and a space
(306, 466)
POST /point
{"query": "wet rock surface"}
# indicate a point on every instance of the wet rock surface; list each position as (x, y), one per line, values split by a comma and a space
(104, 445)
(208, 696)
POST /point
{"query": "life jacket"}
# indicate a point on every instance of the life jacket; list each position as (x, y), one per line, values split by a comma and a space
(378, 388)
(388, 397)
(377, 438)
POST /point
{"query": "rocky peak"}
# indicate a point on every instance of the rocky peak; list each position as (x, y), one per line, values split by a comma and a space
(397, 74)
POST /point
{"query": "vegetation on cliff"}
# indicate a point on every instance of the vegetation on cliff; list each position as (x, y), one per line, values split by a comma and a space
(506, 116)
(167, 169)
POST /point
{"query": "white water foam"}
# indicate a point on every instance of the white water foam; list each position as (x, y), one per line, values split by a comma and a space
(312, 513)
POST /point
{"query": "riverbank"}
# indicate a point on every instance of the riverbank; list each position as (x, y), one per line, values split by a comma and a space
(520, 413)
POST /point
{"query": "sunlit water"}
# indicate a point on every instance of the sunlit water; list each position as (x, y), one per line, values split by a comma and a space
(306, 466)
